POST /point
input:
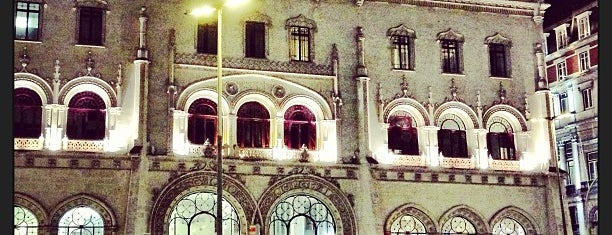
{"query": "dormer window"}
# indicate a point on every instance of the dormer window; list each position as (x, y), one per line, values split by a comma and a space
(584, 28)
(561, 32)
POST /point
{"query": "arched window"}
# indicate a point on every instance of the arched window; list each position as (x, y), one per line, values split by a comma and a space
(81, 220)
(452, 141)
(300, 128)
(302, 214)
(196, 213)
(27, 113)
(500, 142)
(458, 225)
(25, 221)
(407, 224)
(202, 123)
(402, 136)
(253, 126)
(508, 226)
(86, 117)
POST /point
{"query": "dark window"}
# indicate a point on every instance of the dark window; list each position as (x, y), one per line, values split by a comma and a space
(300, 43)
(86, 117)
(574, 219)
(402, 137)
(255, 40)
(27, 113)
(452, 143)
(497, 59)
(569, 162)
(587, 98)
(207, 39)
(501, 146)
(27, 20)
(90, 25)
(450, 56)
(202, 122)
(253, 129)
(300, 128)
(563, 103)
(401, 52)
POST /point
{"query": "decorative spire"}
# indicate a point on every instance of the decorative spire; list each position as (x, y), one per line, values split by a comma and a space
(404, 86)
(24, 60)
(478, 103)
(89, 63)
(56, 75)
(502, 93)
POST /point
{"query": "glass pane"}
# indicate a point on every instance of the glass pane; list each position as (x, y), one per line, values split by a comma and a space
(25, 221)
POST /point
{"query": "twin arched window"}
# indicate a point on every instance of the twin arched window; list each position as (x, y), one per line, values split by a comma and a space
(302, 214)
(196, 213)
(79, 220)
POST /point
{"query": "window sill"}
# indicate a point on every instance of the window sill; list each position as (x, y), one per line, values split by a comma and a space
(28, 41)
(403, 70)
(453, 74)
(500, 78)
(90, 46)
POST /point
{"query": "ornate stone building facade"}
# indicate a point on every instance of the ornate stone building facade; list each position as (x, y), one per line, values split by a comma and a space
(337, 117)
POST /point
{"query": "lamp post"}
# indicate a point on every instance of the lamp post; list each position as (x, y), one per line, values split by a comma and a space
(218, 7)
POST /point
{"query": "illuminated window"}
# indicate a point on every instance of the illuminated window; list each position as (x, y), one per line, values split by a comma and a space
(300, 128)
(584, 62)
(561, 70)
(81, 220)
(86, 117)
(25, 221)
(27, 21)
(253, 129)
(584, 28)
(301, 214)
(407, 224)
(458, 225)
(508, 226)
(561, 36)
(27, 113)
(196, 214)
(202, 122)
(299, 45)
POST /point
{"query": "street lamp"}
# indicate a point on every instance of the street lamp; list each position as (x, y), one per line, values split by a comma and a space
(206, 10)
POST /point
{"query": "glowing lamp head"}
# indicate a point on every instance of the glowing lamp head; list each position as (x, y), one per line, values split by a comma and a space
(202, 11)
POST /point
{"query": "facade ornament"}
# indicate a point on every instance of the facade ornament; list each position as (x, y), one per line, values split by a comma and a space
(403, 88)
(502, 94)
(56, 74)
(24, 60)
(359, 2)
(118, 85)
(90, 64)
(542, 83)
(453, 91)
(142, 49)
(527, 112)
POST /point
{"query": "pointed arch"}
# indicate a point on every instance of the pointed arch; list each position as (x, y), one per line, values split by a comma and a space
(317, 187)
(99, 206)
(517, 214)
(450, 34)
(33, 205)
(468, 214)
(415, 211)
(498, 39)
(234, 192)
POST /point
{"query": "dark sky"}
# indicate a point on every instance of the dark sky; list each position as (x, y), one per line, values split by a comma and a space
(560, 9)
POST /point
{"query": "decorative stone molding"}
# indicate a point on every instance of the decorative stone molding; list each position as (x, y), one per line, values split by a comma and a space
(28, 144)
(401, 30)
(498, 39)
(517, 7)
(469, 214)
(450, 35)
(255, 64)
(415, 211)
(107, 214)
(517, 214)
(493, 110)
(301, 21)
(84, 145)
